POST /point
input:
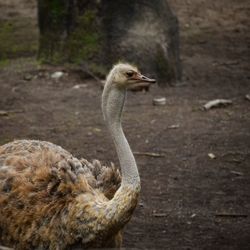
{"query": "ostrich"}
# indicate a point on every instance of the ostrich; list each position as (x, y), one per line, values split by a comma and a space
(51, 200)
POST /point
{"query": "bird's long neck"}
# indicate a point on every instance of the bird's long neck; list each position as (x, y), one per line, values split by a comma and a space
(112, 105)
(121, 207)
(105, 218)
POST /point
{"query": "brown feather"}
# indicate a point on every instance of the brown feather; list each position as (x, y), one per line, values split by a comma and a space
(39, 182)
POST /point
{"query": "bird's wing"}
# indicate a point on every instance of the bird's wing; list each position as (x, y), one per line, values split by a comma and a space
(64, 166)
(106, 179)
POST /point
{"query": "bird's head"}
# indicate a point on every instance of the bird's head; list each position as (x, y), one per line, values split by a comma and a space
(127, 76)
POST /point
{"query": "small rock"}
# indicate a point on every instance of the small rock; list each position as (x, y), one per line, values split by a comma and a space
(211, 156)
(98, 130)
(41, 74)
(141, 204)
(247, 97)
(28, 77)
(4, 113)
(159, 101)
(78, 86)
(56, 75)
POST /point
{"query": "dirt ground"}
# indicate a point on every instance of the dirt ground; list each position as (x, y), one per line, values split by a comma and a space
(188, 200)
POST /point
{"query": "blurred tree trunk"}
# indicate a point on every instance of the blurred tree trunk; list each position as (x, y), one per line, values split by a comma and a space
(54, 25)
(102, 32)
(68, 30)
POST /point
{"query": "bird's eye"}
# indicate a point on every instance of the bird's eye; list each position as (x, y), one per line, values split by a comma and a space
(130, 73)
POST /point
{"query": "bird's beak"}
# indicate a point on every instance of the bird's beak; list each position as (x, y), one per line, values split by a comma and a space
(141, 82)
(141, 78)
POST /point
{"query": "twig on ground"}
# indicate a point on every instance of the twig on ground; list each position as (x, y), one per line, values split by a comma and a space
(150, 154)
(217, 103)
(7, 112)
(237, 173)
(86, 69)
(160, 214)
(231, 215)
(174, 126)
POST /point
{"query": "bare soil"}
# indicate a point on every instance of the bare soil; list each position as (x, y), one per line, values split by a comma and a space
(188, 200)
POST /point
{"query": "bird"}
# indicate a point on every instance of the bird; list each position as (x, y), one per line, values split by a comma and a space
(51, 200)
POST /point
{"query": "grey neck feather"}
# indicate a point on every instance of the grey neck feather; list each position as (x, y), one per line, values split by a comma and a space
(113, 100)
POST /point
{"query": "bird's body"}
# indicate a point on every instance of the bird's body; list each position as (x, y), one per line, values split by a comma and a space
(41, 185)
(51, 200)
